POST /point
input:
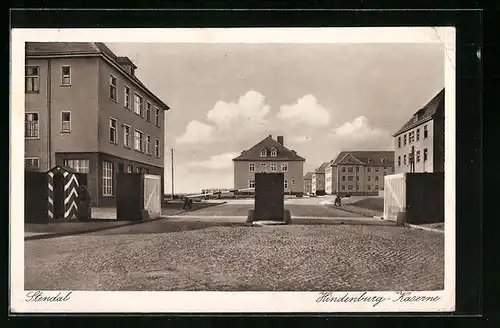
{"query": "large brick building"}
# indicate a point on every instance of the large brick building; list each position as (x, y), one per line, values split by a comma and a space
(271, 156)
(424, 134)
(358, 172)
(86, 109)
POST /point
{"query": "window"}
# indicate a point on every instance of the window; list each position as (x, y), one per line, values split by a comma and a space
(127, 98)
(137, 170)
(251, 183)
(399, 142)
(286, 184)
(251, 167)
(418, 134)
(79, 165)
(426, 133)
(404, 140)
(357, 168)
(399, 160)
(418, 155)
(343, 169)
(31, 162)
(107, 178)
(343, 187)
(369, 169)
(274, 167)
(274, 153)
(349, 187)
(376, 169)
(148, 111)
(284, 167)
(112, 130)
(349, 169)
(32, 79)
(376, 187)
(293, 182)
(376, 178)
(139, 105)
(157, 116)
(411, 137)
(263, 153)
(138, 140)
(129, 168)
(425, 154)
(369, 178)
(263, 167)
(112, 88)
(126, 135)
(157, 148)
(357, 178)
(349, 178)
(31, 125)
(66, 75)
(404, 160)
(369, 187)
(148, 144)
(343, 178)
(65, 121)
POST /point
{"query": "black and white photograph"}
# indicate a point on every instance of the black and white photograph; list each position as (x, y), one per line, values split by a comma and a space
(274, 170)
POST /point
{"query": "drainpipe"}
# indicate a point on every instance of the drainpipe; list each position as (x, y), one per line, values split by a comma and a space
(49, 113)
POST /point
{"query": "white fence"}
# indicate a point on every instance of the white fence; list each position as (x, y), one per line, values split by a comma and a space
(152, 195)
(394, 195)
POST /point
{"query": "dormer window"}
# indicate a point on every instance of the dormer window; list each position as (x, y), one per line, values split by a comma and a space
(274, 153)
(382, 160)
(263, 153)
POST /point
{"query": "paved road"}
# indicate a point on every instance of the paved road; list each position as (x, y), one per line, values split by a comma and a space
(292, 258)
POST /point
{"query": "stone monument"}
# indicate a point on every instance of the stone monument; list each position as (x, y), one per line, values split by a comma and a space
(269, 202)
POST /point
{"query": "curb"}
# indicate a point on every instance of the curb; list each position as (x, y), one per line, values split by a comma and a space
(415, 226)
(81, 232)
(359, 213)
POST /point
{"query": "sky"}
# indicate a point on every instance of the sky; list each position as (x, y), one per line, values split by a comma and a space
(323, 98)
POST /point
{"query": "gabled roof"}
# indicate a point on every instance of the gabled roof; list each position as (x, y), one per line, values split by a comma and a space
(424, 114)
(366, 157)
(321, 168)
(42, 49)
(253, 154)
(308, 176)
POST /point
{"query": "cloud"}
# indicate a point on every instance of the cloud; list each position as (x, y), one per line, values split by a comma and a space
(358, 129)
(306, 111)
(216, 162)
(300, 139)
(248, 112)
(196, 132)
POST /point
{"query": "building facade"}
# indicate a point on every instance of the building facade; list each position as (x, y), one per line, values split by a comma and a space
(308, 183)
(86, 109)
(358, 172)
(318, 180)
(422, 139)
(270, 156)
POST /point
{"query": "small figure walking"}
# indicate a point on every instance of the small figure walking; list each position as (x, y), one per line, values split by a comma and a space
(84, 207)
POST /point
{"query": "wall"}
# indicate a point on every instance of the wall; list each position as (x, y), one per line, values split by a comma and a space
(420, 145)
(295, 172)
(116, 109)
(438, 144)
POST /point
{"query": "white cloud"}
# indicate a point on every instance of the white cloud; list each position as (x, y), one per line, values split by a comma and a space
(358, 129)
(196, 132)
(217, 162)
(300, 139)
(306, 111)
(248, 112)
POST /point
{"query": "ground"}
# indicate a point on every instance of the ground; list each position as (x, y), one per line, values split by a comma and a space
(200, 250)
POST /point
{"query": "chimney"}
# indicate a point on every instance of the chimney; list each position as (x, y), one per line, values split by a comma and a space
(280, 140)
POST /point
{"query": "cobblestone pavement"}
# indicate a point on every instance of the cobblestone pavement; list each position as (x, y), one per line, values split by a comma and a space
(285, 258)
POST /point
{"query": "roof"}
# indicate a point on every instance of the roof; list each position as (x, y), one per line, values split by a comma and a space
(365, 157)
(268, 143)
(308, 176)
(41, 49)
(321, 168)
(424, 114)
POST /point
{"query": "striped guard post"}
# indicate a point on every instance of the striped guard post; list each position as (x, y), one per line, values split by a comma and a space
(50, 186)
(70, 195)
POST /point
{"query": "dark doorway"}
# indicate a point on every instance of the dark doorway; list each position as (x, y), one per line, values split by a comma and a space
(58, 195)
(120, 168)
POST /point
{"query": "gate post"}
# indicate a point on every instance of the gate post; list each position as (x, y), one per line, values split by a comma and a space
(269, 202)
